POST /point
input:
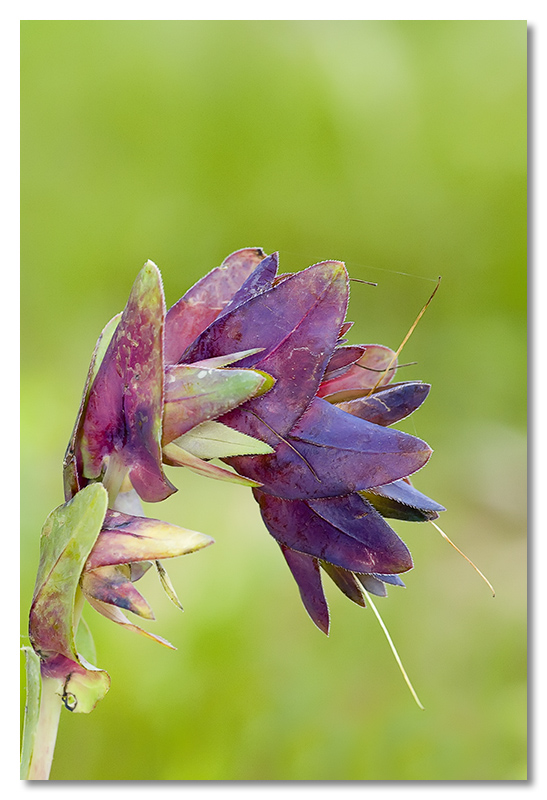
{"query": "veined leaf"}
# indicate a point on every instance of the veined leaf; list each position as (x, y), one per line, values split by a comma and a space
(225, 361)
(196, 394)
(73, 479)
(123, 417)
(68, 537)
(111, 584)
(389, 405)
(297, 324)
(362, 375)
(259, 281)
(215, 440)
(125, 539)
(177, 457)
(400, 500)
(206, 299)
(330, 453)
(345, 531)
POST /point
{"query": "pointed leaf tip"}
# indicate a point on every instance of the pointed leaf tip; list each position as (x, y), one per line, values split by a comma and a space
(126, 539)
(196, 394)
(215, 440)
(305, 571)
(123, 416)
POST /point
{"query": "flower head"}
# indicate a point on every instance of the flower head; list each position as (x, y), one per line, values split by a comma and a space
(336, 469)
(253, 368)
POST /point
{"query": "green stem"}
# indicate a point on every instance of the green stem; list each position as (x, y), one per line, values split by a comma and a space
(46, 730)
(42, 712)
(32, 708)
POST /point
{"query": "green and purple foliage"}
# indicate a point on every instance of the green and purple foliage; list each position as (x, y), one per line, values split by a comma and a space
(302, 418)
(336, 469)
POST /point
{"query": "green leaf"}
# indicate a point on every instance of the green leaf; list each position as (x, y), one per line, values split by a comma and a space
(67, 539)
(168, 587)
(215, 440)
(197, 394)
(72, 466)
(231, 358)
(177, 457)
(85, 644)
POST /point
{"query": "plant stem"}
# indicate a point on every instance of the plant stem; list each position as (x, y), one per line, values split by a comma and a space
(40, 735)
(46, 730)
(32, 708)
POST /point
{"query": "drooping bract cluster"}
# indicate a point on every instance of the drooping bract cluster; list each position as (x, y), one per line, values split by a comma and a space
(337, 469)
(251, 367)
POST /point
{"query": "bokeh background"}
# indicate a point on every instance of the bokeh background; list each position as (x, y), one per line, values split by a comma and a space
(400, 148)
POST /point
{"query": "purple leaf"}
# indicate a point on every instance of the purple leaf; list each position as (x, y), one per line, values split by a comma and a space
(345, 328)
(296, 323)
(330, 453)
(259, 281)
(346, 582)
(206, 299)
(112, 584)
(372, 584)
(389, 405)
(394, 580)
(342, 359)
(305, 571)
(361, 376)
(400, 500)
(73, 477)
(358, 519)
(124, 410)
(345, 531)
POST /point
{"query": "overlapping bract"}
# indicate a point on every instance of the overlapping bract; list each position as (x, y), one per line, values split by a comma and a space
(337, 469)
(85, 547)
(137, 410)
(302, 418)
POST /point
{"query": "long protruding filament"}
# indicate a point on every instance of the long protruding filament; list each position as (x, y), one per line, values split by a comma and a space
(443, 534)
(408, 335)
(393, 649)
(360, 280)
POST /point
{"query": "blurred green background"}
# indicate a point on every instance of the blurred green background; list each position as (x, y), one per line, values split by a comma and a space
(399, 147)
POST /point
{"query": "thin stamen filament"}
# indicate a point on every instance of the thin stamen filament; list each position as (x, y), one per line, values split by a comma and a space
(485, 579)
(393, 648)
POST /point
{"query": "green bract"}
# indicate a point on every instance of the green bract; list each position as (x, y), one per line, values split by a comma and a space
(67, 539)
